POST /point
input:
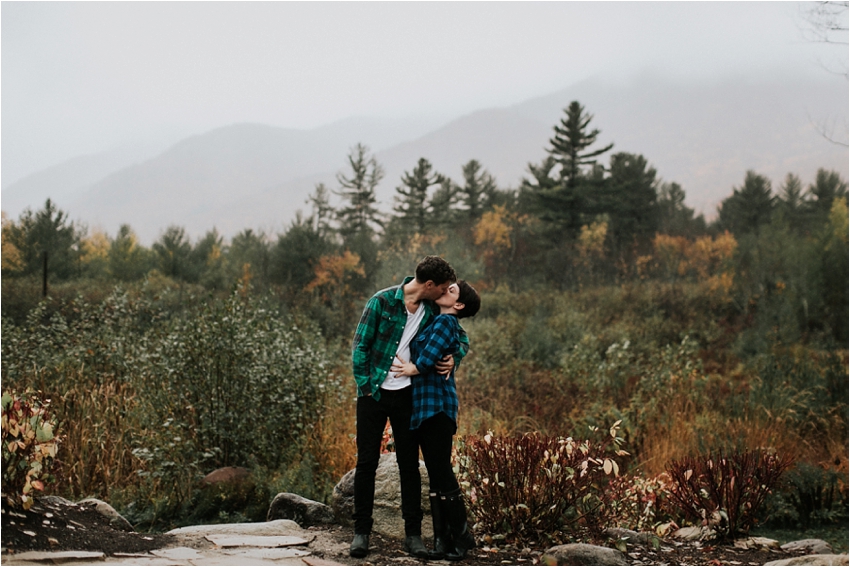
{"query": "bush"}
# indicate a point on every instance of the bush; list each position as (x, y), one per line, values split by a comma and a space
(530, 487)
(808, 496)
(725, 491)
(637, 503)
(29, 446)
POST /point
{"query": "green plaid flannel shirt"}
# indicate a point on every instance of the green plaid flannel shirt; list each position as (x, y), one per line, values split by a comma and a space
(378, 334)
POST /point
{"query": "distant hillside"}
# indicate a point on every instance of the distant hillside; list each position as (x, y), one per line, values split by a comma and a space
(67, 180)
(257, 176)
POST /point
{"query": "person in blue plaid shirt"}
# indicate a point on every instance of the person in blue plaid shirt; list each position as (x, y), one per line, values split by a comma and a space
(434, 419)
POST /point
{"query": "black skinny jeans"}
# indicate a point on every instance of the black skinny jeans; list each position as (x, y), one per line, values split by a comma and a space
(372, 416)
(435, 439)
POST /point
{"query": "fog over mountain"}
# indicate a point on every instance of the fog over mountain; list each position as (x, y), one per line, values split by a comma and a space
(704, 136)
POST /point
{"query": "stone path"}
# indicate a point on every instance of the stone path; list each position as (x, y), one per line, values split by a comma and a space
(279, 542)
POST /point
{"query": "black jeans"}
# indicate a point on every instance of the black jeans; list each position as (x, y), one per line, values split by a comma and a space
(435, 439)
(372, 416)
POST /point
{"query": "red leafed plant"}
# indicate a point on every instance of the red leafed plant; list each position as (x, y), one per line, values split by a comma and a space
(529, 487)
(724, 491)
(28, 446)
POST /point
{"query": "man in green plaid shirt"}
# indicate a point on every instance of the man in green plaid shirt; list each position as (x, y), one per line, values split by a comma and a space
(390, 321)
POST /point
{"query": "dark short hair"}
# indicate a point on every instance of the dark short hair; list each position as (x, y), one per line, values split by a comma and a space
(470, 299)
(435, 269)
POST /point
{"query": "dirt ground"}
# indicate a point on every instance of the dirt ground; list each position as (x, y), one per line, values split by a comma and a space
(57, 527)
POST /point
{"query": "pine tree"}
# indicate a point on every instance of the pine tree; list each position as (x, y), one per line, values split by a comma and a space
(442, 206)
(411, 200)
(323, 212)
(630, 200)
(46, 231)
(360, 216)
(790, 203)
(173, 251)
(827, 187)
(749, 207)
(674, 217)
(477, 191)
(570, 142)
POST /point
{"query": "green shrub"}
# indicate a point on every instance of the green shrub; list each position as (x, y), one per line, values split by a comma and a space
(808, 496)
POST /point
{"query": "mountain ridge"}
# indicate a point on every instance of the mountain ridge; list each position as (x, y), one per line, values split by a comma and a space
(254, 175)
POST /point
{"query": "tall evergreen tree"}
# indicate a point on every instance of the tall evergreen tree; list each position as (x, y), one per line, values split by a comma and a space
(559, 207)
(674, 217)
(248, 254)
(571, 140)
(790, 203)
(827, 187)
(361, 215)
(411, 199)
(127, 261)
(297, 252)
(173, 251)
(477, 191)
(749, 207)
(46, 231)
(631, 201)
(323, 212)
(442, 206)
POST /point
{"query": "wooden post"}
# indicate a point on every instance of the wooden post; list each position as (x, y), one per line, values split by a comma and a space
(44, 280)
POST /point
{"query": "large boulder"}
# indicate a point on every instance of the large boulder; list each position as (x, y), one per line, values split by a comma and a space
(289, 506)
(387, 511)
(583, 554)
(226, 475)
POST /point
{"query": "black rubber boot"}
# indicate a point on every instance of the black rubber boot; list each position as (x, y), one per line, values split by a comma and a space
(454, 511)
(413, 546)
(442, 535)
(359, 546)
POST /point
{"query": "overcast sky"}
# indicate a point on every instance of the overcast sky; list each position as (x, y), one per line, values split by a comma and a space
(84, 77)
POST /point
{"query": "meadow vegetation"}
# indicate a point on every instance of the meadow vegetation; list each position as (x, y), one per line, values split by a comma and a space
(632, 364)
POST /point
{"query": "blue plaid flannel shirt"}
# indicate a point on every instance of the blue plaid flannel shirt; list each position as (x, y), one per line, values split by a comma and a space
(433, 393)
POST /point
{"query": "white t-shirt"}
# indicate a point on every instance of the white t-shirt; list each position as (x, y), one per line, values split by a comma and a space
(411, 327)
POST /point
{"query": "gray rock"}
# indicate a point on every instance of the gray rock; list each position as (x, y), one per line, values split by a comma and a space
(55, 501)
(582, 554)
(387, 511)
(693, 533)
(116, 520)
(275, 528)
(817, 546)
(813, 560)
(631, 536)
(289, 506)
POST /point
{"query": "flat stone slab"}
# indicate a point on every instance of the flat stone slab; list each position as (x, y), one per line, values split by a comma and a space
(273, 528)
(272, 554)
(756, 543)
(227, 540)
(816, 546)
(813, 560)
(177, 553)
(57, 556)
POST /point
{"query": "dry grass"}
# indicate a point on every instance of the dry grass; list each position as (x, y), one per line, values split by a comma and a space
(96, 434)
(331, 441)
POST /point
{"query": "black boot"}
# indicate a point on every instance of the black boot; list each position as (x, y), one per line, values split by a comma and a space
(442, 535)
(455, 514)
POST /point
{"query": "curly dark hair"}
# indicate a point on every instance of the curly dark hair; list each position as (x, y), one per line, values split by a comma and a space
(470, 299)
(435, 269)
